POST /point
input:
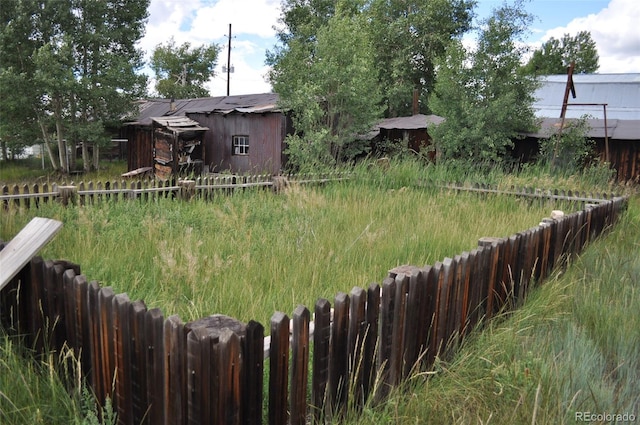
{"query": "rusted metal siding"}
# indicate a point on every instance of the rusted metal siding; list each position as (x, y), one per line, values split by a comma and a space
(266, 134)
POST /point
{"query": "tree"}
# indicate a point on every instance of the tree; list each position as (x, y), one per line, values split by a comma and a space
(181, 71)
(73, 63)
(555, 55)
(483, 97)
(407, 37)
(327, 84)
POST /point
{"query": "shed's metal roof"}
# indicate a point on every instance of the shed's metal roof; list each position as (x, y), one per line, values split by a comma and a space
(621, 93)
(616, 129)
(250, 103)
(414, 122)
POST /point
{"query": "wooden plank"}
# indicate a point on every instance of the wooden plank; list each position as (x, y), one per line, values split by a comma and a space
(299, 365)
(173, 362)
(398, 331)
(434, 346)
(464, 268)
(320, 366)
(105, 300)
(83, 324)
(25, 245)
(199, 377)
(139, 402)
(37, 305)
(253, 370)
(413, 326)
(95, 377)
(156, 369)
(444, 294)
(230, 365)
(355, 343)
(424, 289)
(339, 363)
(385, 341)
(121, 334)
(279, 370)
(369, 368)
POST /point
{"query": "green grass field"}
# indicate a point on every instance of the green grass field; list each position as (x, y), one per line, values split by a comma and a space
(574, 345)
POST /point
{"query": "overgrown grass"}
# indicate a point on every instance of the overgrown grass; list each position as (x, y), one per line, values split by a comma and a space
(574, 347)
(34, 391)
(252, 253)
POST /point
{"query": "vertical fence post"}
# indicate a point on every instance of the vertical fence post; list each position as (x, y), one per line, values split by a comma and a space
(339, 363)
(253, 351)
(320, 366)
(67, 194)
(279, 370)
(300, 365)
(355, 343)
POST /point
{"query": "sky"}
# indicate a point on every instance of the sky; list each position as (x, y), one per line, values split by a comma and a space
(614, 26)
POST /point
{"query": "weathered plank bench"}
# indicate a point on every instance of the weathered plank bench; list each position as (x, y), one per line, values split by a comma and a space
(25, 245)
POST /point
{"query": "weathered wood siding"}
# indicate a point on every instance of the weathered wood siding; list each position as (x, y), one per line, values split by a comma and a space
(139, 146)
(266, 141)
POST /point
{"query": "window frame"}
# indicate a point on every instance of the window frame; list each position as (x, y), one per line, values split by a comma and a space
(240, 145)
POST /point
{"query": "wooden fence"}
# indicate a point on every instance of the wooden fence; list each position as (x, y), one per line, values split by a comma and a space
(32, 195)
(159, 370)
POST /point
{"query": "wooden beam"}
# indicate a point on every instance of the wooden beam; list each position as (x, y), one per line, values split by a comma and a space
(25, 245)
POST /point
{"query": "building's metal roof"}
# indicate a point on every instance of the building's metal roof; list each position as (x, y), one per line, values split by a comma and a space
(621, 93)
(246, 104)
(616, 129)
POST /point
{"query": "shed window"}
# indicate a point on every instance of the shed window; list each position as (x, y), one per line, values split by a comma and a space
(240, 145)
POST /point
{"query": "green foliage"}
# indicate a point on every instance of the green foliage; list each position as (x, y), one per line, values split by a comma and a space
(408, 38)
(571, 151)
(182, 71)
(555, 55)
(483, 98)
(328, 86)
(72, 79)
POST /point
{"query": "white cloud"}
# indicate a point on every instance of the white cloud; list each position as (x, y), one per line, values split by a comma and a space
(201, 22)
(253, 18)
(615, 32)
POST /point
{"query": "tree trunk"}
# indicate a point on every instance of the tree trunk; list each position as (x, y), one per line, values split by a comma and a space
(47, 144)
(96, 156)
(4, 150)
(86, 160)
(62, 146)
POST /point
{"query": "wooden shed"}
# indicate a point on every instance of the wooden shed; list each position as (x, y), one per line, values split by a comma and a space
(411, 131)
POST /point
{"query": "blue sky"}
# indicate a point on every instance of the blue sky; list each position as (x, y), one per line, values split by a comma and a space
(613, 25)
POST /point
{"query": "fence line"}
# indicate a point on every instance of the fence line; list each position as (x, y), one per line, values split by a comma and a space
(33, 195)
(160, 370)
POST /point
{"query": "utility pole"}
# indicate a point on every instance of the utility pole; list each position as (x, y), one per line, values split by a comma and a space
(229, 62)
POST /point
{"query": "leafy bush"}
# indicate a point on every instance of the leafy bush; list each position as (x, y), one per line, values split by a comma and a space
(571, 151)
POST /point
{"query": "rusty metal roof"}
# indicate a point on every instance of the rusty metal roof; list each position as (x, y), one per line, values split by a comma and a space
(246, 104)
(621, 93)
